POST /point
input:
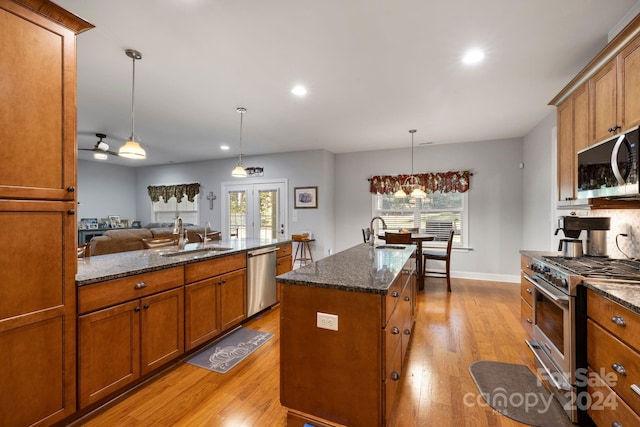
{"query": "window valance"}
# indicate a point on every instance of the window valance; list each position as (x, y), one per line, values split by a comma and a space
(178, 191)
(435, 181)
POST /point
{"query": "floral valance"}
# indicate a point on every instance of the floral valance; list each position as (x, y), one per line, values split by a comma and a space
(444, 182)
(178, 191)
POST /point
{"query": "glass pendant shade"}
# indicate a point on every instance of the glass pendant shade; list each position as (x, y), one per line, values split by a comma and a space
(400, 193)
(239, 171)
(418, 193)
(132, 150)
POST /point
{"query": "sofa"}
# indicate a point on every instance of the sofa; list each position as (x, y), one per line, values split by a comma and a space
(131, 239)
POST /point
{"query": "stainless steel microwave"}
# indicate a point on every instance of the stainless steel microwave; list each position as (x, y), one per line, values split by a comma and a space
(610, 168)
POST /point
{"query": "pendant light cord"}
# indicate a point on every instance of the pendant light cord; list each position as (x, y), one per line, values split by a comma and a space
(241, 114)
(133, 100)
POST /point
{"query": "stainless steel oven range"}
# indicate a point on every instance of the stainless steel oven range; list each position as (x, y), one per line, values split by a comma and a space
(558, 351)
(559, 305)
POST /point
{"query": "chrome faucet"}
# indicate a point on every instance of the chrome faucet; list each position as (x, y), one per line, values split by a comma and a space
(384, 227)
(178, 229)
(204, 237)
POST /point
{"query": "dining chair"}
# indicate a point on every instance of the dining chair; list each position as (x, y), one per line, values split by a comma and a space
(439, 256)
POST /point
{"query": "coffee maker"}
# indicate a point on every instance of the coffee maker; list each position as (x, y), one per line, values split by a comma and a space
(596, 228)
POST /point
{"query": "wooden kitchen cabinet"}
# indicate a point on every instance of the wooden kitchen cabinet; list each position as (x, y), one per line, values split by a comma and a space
(215, 298)
(573, 136)
(604, 103)
(37, 212)
(118, 344)
(366, 361)
(526, 296)
(283, 262)
(613, 356)
(629, 85)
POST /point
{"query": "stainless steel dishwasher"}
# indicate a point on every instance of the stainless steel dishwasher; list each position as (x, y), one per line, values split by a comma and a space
(261, 279)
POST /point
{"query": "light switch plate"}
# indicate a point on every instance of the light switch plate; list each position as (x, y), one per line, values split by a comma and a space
(327, 321)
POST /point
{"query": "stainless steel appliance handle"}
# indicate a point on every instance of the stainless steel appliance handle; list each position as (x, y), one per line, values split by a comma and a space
(534, 346)
(549, 292)
(262, 251)
(614, 160)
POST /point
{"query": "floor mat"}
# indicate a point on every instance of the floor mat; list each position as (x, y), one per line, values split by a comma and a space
(514, 391)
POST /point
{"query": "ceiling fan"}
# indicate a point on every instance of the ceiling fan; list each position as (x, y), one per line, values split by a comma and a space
(101, 149)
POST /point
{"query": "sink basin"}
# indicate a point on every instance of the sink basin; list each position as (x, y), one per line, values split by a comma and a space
(391, 247)
(196, 251)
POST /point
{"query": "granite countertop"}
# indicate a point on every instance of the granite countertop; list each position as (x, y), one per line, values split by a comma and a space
(626, 294)
(122, 264)
(362, 268)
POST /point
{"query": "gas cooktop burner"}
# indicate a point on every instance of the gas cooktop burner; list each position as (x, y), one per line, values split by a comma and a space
(599, 267)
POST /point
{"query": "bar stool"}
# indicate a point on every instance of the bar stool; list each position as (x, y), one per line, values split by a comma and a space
(303, 251)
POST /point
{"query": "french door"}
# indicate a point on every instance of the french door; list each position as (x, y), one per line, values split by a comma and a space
(254, 208)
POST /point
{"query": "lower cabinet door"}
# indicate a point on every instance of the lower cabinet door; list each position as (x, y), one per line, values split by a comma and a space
(108, 351)
(162, 329)
(202, 322)
(233, 298)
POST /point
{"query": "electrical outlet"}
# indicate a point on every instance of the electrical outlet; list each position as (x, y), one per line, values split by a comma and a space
(327, 321)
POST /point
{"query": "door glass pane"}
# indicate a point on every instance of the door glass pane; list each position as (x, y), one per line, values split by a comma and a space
(237, 214)
(268, 214)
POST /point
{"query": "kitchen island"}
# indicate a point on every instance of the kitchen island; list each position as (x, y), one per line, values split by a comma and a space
(346, 322)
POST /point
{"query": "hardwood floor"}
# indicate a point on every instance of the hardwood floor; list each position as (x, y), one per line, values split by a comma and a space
(478, 320)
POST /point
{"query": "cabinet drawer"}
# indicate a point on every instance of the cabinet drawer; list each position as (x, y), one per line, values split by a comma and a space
(100, 295)
(392, 298)
(526, 317)
(391, 383)
(393, 337)
(526, 289)
(214, 267)
(618, 320)
(604, 351)
(284, 250)
(605, 407)
(525, 263)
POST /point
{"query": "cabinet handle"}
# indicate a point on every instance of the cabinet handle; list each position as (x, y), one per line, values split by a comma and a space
(406, 298)
(635, 389)
(529, 320)
(71, 212)
(395, 330)
(619, 320)
(146, 306)
(395, 376)
(222, 282)
(619, 369)
(615, 128)
(140, 285)
(529, 290)
(136, 309)
(407, 331)
(616, 424)
(71, 189)
(395, 294)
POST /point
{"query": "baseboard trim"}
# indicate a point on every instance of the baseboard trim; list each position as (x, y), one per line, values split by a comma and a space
(509, 278)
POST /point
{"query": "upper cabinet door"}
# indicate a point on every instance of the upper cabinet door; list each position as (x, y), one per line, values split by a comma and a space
(565, 151)
(581, 138)
(629, 85)
(602, 88)
(38, 108)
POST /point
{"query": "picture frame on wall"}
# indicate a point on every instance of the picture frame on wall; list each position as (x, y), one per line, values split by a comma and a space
(305, 197)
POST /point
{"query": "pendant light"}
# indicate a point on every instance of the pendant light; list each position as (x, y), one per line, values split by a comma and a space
(239, 171)
(132, 149)
(417, 191)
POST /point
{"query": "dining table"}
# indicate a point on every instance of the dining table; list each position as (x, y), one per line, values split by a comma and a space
(417, 238)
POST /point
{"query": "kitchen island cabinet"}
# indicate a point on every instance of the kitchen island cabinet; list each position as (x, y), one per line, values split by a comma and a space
(526, 295)
(346, 322)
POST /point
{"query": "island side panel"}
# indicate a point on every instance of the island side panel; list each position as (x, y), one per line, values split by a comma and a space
(335, 375)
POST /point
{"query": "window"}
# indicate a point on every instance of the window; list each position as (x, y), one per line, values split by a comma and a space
(436, 214)
(167, 212)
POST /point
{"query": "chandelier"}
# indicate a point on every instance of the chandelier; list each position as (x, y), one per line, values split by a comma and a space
(411, 183)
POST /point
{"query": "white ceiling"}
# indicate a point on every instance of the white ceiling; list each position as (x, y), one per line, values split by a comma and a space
(374, 70)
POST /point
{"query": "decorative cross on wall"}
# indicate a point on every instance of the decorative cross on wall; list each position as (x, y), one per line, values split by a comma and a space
(211, 197)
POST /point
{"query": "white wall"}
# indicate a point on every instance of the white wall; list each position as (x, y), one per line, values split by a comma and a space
(105, 189)
(495, 199)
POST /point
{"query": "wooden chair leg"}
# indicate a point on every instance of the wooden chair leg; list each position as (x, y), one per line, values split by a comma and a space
(448, 278)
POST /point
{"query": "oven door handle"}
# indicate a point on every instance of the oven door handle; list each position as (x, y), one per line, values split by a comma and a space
(535, 347)
(559, 298)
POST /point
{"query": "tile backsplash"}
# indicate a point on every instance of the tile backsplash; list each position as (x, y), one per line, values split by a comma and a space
(622, 221)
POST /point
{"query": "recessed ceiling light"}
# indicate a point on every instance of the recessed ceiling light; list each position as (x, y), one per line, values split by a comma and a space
(299, 90)
(473, 56)
(224, 147)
